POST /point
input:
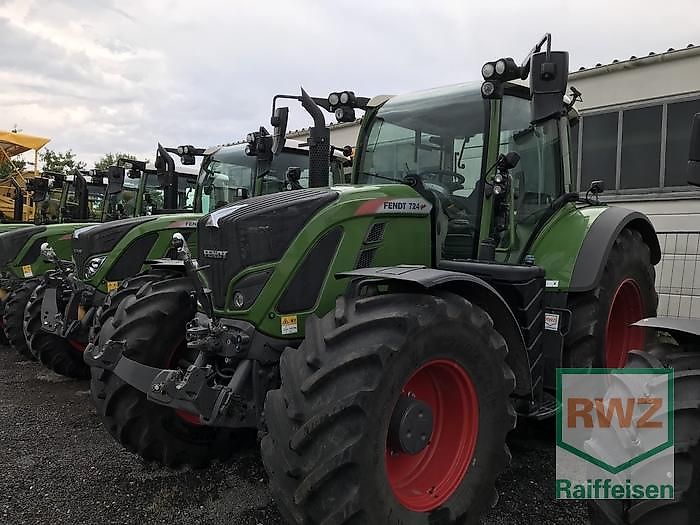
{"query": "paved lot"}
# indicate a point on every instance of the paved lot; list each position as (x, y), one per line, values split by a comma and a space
(58, 466)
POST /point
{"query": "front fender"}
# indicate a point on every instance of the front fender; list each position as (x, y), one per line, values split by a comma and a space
(475, 290)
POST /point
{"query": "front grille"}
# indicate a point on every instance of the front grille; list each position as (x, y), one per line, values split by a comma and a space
(12, 242)
(100, 239)
(257, 231)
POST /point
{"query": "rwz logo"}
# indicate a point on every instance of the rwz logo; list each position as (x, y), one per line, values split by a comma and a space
(215, 254)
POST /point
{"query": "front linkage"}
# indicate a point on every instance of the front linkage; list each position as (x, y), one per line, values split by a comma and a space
(67, 305)
(231, 358)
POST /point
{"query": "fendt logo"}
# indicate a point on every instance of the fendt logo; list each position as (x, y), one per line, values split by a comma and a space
(215, 254)
(614, 434)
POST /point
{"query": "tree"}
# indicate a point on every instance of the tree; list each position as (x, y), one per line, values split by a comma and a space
(7, 168)
(110, 159)
(60, 162)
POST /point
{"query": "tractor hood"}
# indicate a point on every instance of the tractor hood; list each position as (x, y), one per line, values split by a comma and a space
(255, 231)
(102, 238)
(11, 242)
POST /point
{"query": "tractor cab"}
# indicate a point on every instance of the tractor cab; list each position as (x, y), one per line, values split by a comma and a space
(59, 197)
(231, 173)
(449, 141)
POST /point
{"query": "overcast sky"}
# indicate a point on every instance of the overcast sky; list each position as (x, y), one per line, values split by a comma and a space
(108, 75)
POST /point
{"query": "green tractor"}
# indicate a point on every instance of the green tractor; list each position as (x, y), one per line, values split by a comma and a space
(85, 200)
(385, 336)
(113, 257)
(60, 200)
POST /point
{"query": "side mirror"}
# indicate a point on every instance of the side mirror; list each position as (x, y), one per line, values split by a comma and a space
(279, 133)
(240, 193)
(115, 179)
(549, 74)
(694, 152)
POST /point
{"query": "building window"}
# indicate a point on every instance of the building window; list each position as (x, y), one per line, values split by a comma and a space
(574, 152)
(599, 150)
(678, 124)
(641, 148)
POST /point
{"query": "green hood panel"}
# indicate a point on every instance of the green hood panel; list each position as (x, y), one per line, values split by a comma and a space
(26, 261)
(557, 245)
(133, 242)
(401, 214)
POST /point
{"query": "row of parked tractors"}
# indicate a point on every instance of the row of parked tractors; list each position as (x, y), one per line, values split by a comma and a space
(376, 315)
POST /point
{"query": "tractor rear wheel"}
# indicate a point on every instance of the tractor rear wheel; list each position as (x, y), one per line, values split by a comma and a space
(61, 355)
(394, 408)
(685, 508)
(13, 316)
(152, 322)
(600, 334)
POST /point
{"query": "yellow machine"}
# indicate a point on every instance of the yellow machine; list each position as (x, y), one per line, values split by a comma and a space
(13, 187)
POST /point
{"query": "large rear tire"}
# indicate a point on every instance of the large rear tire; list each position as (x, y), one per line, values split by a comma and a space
(685, 508)
(13, 317)
(333, 451)
(153, 323)
(61, 355)
(600, 334)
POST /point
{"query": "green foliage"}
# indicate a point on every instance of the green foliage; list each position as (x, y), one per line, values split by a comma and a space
(7, 169)
(60, 162)
(110, 159)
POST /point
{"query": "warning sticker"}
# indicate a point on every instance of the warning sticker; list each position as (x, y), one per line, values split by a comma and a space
(112, 285)
(551, 321)
(289, 324)
(27, 270)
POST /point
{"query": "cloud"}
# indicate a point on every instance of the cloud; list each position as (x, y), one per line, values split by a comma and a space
(100, 76)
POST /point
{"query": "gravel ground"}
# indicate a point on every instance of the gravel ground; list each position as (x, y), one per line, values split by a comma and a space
(58, 466)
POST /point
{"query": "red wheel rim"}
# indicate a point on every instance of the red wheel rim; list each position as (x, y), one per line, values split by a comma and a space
(620, 336)
(77, 345)
(424, 481)
(187, 417)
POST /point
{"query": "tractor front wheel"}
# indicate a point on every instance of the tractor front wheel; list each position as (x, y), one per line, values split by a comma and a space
(13, 317)
(152, 322)
(61, 355)
(394, 408)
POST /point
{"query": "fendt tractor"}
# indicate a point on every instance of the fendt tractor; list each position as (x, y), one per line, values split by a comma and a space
(61, 201)
(55, 335)
(53, 196)
(114, 257)
(89, 201)
(384, 336)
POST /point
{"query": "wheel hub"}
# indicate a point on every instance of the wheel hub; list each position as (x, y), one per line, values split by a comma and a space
(411, 425)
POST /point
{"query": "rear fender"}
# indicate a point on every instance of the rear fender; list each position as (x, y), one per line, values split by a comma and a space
(596, 246)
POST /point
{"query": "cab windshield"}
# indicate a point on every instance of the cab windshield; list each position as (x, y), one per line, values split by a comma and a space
(436, 135)
(229, 172)
(154, 194)
(48, 211)
(96, 200)
(123, 204)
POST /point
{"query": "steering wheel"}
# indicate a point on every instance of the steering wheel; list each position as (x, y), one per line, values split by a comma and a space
(449, 180)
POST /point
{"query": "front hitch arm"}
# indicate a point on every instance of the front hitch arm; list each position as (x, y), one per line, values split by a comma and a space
(190, 391)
